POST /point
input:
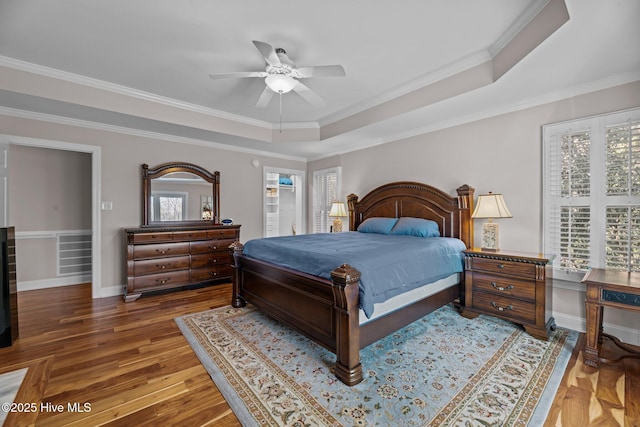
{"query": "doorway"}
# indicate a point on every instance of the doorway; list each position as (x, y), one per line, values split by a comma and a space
(95, 152)
(283, 202)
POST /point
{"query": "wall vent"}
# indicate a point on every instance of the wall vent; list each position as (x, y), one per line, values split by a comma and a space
(74, 254)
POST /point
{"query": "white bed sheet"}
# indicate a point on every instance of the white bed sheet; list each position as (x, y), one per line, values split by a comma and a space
(407, 298)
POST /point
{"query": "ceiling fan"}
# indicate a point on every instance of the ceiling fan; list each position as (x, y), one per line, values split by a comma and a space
(281, 75)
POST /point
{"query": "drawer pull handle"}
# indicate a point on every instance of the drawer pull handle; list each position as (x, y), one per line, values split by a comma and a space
(213, 273)
(213, 260)
(500, 288)
(161, 251)
(497, 307)
(500, 265)
(213, 248)
(163, 281)
(163, 266)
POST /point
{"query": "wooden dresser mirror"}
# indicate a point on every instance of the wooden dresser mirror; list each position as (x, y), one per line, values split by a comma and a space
(180, 195)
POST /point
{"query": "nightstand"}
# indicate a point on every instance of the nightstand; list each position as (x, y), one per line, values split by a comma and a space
(515, 286)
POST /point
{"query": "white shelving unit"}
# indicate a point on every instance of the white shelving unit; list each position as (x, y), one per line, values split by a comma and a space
(272, 204)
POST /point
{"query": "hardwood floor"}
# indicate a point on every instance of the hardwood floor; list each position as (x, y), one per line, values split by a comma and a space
(132, 365)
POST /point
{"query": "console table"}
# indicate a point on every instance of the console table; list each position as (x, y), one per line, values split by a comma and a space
(611, 289)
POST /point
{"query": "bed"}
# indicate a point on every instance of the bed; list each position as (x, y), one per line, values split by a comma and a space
(327, 309)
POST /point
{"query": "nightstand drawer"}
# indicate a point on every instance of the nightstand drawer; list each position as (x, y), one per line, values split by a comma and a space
(510, 268)
(504, 286)
(509, 308)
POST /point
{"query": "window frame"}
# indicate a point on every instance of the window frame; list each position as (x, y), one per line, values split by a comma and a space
(324, 173)
(598, 200)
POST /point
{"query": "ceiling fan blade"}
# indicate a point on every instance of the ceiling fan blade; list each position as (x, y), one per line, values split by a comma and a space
(310, 96)
(265, 98)
(238, 74)
(322, 71)
(268, 52)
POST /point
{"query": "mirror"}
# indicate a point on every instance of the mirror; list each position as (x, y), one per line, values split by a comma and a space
(179, 194)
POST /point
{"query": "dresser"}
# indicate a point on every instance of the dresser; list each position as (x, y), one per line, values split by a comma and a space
(166, 258)
(515, 286)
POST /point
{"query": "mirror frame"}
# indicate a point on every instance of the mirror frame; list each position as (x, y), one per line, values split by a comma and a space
(149, 174)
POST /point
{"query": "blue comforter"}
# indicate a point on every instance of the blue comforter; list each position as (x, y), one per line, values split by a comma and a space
(390, 265)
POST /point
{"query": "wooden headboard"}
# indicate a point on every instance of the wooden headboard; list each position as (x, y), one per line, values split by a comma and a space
(398, 199)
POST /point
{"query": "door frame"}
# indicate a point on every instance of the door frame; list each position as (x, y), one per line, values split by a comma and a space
(96, 174)
(270, 169)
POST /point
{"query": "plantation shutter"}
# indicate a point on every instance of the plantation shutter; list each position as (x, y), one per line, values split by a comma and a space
(592, 193)
(325, 192)
(623, 192)
(568, 199)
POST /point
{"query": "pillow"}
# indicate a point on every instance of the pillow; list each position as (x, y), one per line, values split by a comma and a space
(377, 225)
(418, 227)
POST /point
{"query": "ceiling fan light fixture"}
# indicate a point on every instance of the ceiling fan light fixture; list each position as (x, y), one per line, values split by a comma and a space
(280, 83)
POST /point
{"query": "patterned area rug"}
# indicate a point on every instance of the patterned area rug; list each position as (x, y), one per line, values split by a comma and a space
(441, 370)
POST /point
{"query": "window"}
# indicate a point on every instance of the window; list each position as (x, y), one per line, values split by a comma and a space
(325, 191)
(592, 193)
(168, 206)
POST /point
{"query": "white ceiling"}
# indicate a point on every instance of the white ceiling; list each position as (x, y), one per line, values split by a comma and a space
(163, 52)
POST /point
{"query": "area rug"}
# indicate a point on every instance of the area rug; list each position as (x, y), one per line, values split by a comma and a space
(441, 370)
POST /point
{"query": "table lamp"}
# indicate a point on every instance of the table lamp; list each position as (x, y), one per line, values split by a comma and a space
(337, 211)
(490, 206)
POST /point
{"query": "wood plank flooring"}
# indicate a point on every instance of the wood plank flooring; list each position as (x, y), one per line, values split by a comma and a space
(132, 365)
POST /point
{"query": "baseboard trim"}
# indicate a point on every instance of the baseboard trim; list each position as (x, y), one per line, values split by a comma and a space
(624, 334)
(32, 285)
(112, 291)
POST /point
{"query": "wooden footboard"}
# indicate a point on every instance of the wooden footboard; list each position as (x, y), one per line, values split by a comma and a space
(323, 310)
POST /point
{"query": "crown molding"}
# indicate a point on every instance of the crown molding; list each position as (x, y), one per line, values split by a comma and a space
(456, 67)
(127, 91)
(523, 20)
(566, 93)
(23, 114)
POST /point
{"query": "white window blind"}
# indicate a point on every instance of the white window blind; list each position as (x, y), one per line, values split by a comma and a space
(592, 193)
(325, 192)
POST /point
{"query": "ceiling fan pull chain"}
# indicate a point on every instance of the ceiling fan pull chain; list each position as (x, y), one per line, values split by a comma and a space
(280, 112)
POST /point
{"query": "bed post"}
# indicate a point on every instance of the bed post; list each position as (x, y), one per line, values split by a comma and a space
(465, 203)
(236, 248)
(352, 199)
(346, 281)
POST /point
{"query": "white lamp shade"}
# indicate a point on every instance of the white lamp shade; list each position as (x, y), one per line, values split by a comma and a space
(491, 206)
(337, 209)
(279, 83)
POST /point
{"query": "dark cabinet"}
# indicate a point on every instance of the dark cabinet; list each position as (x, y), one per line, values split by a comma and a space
(9, 299)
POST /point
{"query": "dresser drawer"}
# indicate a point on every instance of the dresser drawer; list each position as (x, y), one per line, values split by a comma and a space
(152, 237)
(162, 280)
(160, 250)
(504, 286)
(211, 246)
(222, 233)
(160, 265)
(211, 259)
(509, 308)
(211, 273)
(505, 267)
(190, 235)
